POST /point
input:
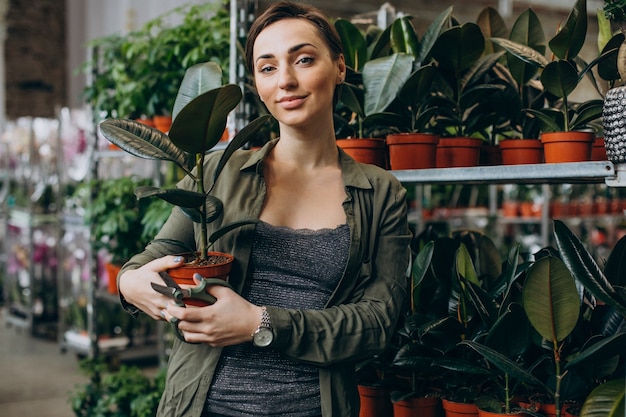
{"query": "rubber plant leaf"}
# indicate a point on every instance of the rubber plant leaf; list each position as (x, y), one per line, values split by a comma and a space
(213, 206)
(418, 86)
(606, 400)
(600, 351)
(510, 334)
(198, 79)
(568, 42)
(584, 267)
(551, 120)
(175, 196)
(381, 45)
(201, 123)
(421, 265)
(355, 47)
(615, 267)
(403, 37)
(559, 78)
(142, 141)
(522, 52)
(527, 31)
(229, 227)
(432, 33)
(505, 364)
(458, 48)
(608, 69)
(482, 302)
(550, 299)
(586, 113)
(240, 139)
(491, 25)
(383, 78)
(352, 97)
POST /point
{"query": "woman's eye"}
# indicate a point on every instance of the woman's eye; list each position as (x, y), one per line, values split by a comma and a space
(306, 60)
(266, 69)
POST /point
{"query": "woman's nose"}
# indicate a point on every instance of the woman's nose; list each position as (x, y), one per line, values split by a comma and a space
(286, 78)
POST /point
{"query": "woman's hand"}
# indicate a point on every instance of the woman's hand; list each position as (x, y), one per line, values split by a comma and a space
(230, 321)
(134, 285)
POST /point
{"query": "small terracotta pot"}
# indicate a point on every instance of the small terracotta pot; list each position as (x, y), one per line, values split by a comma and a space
(219, 267)
(458, 152)
(454, 409)
(366, 150)
(412, 150)
(567, 146)
(163, 123)
(510, 208)
(422, 407)
(598, 151)
(375, 401)
(112, 271)
(521, 151)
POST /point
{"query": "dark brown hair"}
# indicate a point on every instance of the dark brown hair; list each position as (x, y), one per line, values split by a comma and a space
(285, 10)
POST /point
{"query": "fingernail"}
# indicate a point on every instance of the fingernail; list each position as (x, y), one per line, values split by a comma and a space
(178, 259)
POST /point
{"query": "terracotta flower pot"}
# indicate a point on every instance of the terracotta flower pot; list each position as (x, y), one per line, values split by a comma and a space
(375, 401)
(521, 151)
(412, 150)
(365, 150)
(219, 267)
(458, 152)
(454, 409)
(490, 155)
(598, 151)
(417, 407)
(567, 146)
(112, 271)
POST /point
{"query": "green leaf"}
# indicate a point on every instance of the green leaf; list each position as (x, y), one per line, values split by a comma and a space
(584, 267)
(432, 34)
(465, 266)
(568, 42)
(522, 52)
(229, 227)
(600, 351)
(175, 196)
(354, 45)
(615, 267)
(418, 86)
(492, 25)
(142, 141)
(527, 30)
(403, 37)
(459, 47)
(606, 400)
(383, 78)
(201, 123)
(560, 78)
(198, 79)
(607, 69)
(586, 113)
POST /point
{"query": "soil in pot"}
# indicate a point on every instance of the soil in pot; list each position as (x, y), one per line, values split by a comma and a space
(412, 150)
(218, 266)
(567, 146)
(521, 151)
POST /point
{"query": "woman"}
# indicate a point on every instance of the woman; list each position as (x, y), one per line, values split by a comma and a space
(319, 282)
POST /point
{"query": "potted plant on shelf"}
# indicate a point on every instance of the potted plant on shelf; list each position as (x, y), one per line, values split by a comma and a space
(199, 118)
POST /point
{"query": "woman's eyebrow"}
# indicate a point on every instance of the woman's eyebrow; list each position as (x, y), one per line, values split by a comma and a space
(291, 50)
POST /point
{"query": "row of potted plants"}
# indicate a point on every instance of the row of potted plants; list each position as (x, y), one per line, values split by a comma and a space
(539, 334)
(477, 81)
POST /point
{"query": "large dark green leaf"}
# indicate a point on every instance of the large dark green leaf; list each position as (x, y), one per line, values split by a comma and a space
(606, 400)
(201, 123)
(607, 69)
(584, 267)
(240, 139)
(352, 97)
(416, 89)
(175, 196)
(198, 79)
(599, 352)
(522, 52)
(551, 299)
(568, 42)
(229, 227)
(432, 34)
(492, 25)
(510, 334)
(383, 78)
(403, 37)
(458, 48)
(527, 30)
(354, 45)
(615, 267)
(586, 113)
(560, 78)
(505, 364)
(142, 141)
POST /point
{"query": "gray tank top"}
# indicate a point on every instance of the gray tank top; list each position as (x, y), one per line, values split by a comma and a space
(290, 269)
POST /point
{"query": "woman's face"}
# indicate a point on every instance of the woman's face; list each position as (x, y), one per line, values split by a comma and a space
(295, 74)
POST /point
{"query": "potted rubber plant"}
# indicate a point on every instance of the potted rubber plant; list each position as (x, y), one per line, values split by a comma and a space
(199, 118)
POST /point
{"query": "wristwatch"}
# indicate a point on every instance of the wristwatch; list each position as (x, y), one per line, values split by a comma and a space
(263, 335)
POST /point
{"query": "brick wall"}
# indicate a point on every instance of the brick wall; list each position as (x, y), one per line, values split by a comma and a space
(35, 57)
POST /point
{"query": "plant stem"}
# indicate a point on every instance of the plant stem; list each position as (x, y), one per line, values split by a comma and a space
(203, 225)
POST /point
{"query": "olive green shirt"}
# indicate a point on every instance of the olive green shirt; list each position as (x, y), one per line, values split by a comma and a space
(361, 314)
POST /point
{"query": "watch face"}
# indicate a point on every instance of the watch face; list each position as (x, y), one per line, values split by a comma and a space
(263, 337)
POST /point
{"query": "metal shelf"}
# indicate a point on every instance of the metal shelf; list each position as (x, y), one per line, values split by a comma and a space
(569, 172)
